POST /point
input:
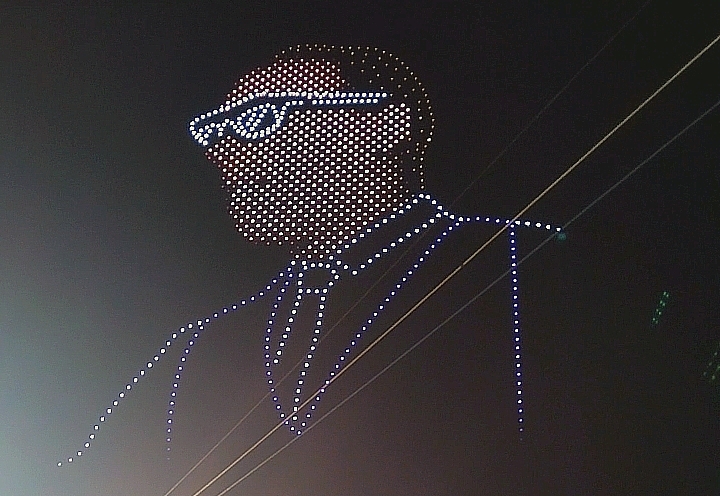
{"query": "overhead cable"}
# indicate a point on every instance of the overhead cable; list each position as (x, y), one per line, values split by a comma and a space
(472, 300)
(468, 260)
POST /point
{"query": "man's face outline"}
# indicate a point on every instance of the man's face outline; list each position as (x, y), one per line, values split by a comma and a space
(323, 221)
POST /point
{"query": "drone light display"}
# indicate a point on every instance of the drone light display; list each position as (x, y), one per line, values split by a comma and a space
(712, 370)
(659, 309)
(318, 151)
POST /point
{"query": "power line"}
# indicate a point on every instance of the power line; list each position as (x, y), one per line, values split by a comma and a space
(548, 104)
(468, 260)
(473, 299)
(502, 153)
(282, 379)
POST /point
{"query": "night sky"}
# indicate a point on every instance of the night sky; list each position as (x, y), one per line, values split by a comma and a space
(114, 233)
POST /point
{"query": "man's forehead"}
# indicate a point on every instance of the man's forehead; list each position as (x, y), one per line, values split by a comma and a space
(289, 75)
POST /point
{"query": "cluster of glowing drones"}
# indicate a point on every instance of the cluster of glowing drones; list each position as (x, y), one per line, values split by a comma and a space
(712, 370)
(316, 152)
(293, 276)
(664, 298)
(317, 181)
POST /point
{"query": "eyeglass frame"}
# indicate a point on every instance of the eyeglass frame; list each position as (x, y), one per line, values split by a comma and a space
(244, 116)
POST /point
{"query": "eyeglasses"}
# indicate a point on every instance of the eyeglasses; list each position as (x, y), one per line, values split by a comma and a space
(257, 116)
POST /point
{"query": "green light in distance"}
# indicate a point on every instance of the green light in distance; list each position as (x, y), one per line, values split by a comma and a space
(660, 308)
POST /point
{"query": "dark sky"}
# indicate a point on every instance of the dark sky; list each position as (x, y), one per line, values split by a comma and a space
(113, 233)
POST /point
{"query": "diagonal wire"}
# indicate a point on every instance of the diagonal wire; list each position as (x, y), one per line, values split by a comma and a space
(548, 104)
(282, 379)
(470, 258)
(474, 298)
(502, 153)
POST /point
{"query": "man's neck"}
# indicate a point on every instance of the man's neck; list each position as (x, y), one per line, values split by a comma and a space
(397, 230)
